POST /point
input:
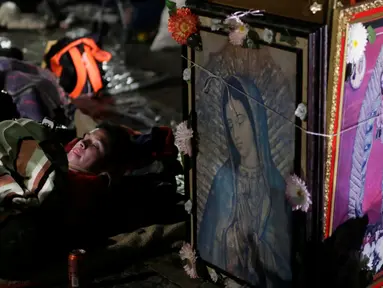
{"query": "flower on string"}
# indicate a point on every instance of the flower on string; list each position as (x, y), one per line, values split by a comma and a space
(216, 24)
(356, 42)
(315, 7)
(183, 138)
(268, 35)
(235, 18)
(187, 74)
(191, 271)
(233, 21)
(189, 255)
(297, 193)
(239, 30)
(301, 111)
(213, 274)
(238, 35)
(188, 206)
(182, 24)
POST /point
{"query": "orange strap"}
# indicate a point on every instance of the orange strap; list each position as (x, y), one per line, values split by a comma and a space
(80, 72)
(84, 67)
(92, 69)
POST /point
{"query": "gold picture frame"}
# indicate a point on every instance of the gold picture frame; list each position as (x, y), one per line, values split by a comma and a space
(295, 9)
(308, 75)
(351, 179)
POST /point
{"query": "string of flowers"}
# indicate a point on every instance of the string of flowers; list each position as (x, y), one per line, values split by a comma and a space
(183, 27)
(241, 34)
(183, 136)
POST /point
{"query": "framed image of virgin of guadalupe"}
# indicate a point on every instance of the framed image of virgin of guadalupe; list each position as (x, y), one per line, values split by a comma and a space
(241, 104)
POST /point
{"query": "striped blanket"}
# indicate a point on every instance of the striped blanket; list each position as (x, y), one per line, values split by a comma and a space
(30, 166)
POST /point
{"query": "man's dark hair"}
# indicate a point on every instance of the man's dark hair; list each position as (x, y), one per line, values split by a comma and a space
(120, 142)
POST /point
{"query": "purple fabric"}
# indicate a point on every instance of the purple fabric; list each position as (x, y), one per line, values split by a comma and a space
(44, 94)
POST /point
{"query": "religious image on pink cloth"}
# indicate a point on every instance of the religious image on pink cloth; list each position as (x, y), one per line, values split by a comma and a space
(359, 170)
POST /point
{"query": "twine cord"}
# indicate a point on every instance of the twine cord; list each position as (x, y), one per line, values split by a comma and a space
(324, 135)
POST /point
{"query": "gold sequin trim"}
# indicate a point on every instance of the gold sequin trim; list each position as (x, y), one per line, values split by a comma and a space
(341, 20)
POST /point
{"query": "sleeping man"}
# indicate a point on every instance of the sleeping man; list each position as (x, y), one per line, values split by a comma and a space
(35, 168)
(49, 197)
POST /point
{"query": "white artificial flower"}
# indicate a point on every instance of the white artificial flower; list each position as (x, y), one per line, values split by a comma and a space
(189, 255)
(238, 35)
(191, 271)
(188, 206)
(301, 111)
(187, 74)
(356, 42)
(213, 274)
(297, 193)
(233, 22)
(183, 136)
(268, 35)
(216, 24)
(316, 7)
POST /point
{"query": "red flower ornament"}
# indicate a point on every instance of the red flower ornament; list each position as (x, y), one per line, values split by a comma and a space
(182, 24)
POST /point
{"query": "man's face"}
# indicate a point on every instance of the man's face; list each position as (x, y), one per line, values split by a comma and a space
(89, 153)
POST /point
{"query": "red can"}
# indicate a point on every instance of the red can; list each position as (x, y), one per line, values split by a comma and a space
(75, 268)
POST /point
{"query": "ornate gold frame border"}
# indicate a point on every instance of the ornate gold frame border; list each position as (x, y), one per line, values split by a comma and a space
(342, 18)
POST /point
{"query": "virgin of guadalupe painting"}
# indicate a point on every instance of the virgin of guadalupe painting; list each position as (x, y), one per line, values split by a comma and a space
(246, 149)
(356, 169)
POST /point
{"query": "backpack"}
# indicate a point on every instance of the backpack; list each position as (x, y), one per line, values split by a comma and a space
(28, 91)
(77, 63)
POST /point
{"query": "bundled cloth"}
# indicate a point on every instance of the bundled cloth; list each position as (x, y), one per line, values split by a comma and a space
(35, 93)
(74, 208)
(32, 165)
